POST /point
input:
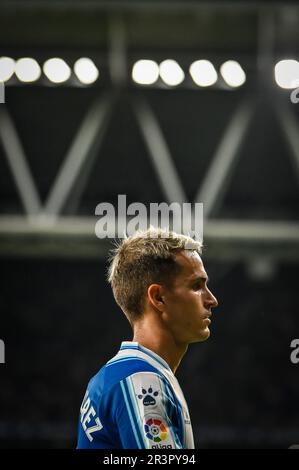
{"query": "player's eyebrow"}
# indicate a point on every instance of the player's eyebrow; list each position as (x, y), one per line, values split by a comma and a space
(200, 278)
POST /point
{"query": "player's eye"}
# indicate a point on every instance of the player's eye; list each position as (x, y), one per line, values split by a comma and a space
(197, 286)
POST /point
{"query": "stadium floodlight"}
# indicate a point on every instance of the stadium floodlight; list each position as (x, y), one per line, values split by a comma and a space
(7, 68)
(86, 71)
(286, 73)
(145, 72)
(57, 70)
(203, 73)
(232, 73)
(27, 70)
(171, 73)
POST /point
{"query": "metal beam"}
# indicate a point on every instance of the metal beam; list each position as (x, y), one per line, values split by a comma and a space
(212, 191)
(73, 200)
(117, 50)
(18, 164)
(142, 4)
(2, 92)
(159, 152)
(74, 237)
(265, 47)
(77, 155)
(290, 127)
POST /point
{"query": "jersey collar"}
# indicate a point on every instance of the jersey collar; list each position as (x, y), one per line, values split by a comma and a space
(134, 345)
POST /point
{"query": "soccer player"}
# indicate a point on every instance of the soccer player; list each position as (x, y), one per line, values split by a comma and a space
(135, 400)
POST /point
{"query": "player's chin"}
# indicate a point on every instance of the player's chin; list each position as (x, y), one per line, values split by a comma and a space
(205, 334)
(202, 335)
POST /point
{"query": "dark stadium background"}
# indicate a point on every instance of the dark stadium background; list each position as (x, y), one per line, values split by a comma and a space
(58, 317)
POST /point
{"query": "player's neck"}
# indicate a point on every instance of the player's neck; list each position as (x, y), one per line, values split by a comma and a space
(162, 343)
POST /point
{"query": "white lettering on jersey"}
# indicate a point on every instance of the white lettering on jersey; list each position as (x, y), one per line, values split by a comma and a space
(87, 413)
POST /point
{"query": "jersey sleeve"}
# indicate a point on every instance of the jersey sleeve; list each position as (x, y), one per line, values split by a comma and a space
(147, 415)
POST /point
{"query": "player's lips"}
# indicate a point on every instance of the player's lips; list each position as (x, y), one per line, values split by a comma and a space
(207, 317)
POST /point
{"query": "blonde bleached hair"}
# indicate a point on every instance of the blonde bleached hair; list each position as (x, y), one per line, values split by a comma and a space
(145, 258)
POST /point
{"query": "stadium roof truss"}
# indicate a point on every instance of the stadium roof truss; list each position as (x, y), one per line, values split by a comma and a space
(43, 231)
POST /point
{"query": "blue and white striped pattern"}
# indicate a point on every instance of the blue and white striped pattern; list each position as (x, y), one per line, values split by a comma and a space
(139, 403)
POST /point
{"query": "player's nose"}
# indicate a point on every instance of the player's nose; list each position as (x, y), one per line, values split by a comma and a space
(211, 300)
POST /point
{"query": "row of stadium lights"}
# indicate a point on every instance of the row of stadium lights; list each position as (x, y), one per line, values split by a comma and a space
(144, 72)
(203, 73)
(27, 70)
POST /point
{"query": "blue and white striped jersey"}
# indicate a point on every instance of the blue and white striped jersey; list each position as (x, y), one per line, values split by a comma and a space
(134, 402)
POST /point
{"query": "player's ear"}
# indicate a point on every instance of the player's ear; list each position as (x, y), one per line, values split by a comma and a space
(155, 297)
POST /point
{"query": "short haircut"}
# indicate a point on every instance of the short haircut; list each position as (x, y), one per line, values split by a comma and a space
(145, 258)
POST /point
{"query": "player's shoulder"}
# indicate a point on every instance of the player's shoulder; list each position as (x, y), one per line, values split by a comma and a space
(116, 371)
